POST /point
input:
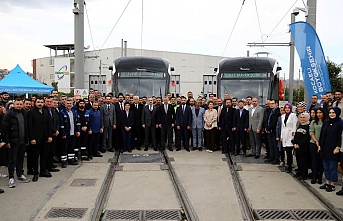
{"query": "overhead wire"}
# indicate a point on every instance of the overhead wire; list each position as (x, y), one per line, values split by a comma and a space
(89, 26)
(258, 19)
(233, 28)
(281, 19)
(97, 54)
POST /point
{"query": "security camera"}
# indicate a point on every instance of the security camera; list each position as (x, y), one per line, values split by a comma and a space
(296, 11)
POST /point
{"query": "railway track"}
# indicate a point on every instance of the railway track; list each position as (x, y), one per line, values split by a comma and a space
(247, 211)
(187, 212)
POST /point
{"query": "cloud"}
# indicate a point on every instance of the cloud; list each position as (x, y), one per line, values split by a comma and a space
(7, 6)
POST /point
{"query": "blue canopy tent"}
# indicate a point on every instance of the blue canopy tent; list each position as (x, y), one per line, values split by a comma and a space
(18, 82)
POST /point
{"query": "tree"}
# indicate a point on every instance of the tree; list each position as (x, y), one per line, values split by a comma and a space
(334, 70)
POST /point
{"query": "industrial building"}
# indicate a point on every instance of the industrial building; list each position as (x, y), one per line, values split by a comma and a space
(193, 72)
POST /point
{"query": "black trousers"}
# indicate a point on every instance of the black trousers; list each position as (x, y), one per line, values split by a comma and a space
(211, 138)
(302, 155)
(240, 140)
(183, 134)
(289, 154)
(93, 144)
(40, 155)
(16, 158)
(67, 149)
(51, 152)
(166, 133)
(227, 139)
(81, 143)
(150, 132)
(126, 135)
(316, 161)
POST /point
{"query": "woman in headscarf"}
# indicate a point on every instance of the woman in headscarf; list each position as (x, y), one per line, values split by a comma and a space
(288, 127)
(329, 145)
(316, 161)
(301, 144)
(301, 107)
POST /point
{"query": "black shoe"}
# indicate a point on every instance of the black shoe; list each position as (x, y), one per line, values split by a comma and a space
(170, 149)
(45, 174)
(90, 157)
(53, 170)
(147, 148)
(320, 181)
(268, 161)
(130, 151)
(103, 151)
(330, 188)
(97, 155)
(35, 178)
(340, 193)
(194, 148)
(2, 191)
(200, 149)
(64, 164)
(85, 159)
(187, 149)
(323, 187)
(178, 149)
(73, 162)
(257, 156)
(266, 157)
(155, 149)
(313, 180)
(138, 148)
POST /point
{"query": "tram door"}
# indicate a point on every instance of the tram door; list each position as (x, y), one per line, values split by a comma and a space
(174, 87)
(209, 85)
(98, 83)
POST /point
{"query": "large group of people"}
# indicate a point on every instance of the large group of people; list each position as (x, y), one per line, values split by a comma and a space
(60, 129)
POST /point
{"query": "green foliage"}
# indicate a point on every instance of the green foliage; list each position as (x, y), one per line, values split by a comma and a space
(334, 71)
(298, 94)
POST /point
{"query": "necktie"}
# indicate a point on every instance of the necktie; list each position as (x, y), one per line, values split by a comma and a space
(121, 106)
(165, 108)
(108, 107)
(150, 108)
(183, 108)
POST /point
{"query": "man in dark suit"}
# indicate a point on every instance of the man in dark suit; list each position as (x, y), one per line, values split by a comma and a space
(226, 125)
(137, 130)
(183, 124)
(40, 132)
(271, 132)
(119, 107)
(240, 126)
(166, 121)
(149, 124)
(108, 114)
(127, 122)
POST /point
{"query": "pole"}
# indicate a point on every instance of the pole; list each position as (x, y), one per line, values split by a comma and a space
(79, 43)
(100, 79)
(125, 48)
(284, 86)
(291, 64)
(311, 19)
(122, 47)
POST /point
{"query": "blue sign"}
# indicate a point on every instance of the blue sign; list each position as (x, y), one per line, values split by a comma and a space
(314, 68)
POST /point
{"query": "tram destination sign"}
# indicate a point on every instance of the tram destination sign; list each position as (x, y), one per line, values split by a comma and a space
(246, 75)
(141, 74)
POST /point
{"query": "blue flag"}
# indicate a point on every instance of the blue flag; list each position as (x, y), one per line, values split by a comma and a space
(314, 68)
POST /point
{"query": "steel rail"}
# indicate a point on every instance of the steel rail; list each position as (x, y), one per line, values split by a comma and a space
(180, 191)
(242, 198)
(102, 198)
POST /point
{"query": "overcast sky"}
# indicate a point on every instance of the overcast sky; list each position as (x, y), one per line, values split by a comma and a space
(191, 26)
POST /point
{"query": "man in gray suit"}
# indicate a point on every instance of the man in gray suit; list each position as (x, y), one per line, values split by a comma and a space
(255, 127)
(149, 124)
(197, 125)
(108, 115)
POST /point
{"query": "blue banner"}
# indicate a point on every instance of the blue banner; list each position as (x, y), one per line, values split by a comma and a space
(313, 64)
